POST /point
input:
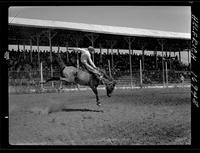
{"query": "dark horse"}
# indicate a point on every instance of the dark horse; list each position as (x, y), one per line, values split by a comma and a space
(79, 76)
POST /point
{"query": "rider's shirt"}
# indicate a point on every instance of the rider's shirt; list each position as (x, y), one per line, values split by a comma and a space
(86, 57)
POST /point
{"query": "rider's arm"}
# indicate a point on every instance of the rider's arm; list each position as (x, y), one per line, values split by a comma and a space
(91, 62)
(89, 66)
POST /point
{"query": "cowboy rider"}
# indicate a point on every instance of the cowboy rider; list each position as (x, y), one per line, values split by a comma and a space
(87, 61)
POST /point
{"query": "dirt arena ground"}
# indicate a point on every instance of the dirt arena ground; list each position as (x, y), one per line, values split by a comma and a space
(129, 117)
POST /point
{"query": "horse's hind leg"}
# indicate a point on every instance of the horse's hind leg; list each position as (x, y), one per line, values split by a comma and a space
(94, 89)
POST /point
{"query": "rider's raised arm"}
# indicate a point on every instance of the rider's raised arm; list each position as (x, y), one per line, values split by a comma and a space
(88, 65)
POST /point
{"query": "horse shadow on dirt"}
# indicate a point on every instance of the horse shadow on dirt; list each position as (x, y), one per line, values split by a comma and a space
(81, 110)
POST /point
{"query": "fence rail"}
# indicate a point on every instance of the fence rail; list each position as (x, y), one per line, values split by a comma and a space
(33, 78)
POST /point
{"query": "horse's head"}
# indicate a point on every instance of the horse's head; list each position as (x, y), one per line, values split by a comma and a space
(110, 87)
(109, 82)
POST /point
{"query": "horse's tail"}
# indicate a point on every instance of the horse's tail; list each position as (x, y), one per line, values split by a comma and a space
(53, 79)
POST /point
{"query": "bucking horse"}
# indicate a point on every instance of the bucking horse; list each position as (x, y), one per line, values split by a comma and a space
(83, 77)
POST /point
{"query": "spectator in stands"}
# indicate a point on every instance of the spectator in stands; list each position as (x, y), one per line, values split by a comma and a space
(6, 55)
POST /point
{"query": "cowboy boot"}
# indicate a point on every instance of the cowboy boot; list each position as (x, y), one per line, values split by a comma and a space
(99, 77)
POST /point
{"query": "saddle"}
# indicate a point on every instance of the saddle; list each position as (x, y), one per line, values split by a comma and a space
(83, 68)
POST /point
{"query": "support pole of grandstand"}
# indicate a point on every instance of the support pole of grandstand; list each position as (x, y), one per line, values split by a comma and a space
(166, 73)
(170, 50)
(67, 52)
(143, 45)
(180, 55)
(18, 46)
(31, 50)
(50, 37)
(93, 46)
(58, 48)
(77, 55)
(109, 68)
(101, 62)
(41, 75)
(130, 59)
(112, 43)
(38, 49)
(112, 60)
(143, 57)
(24, 49)
(129, 41)
(141, 73)
(161, 42)
(59, 53)
(51, 59)
(156, 60)
(163, 70)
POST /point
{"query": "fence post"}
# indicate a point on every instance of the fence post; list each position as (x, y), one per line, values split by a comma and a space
(41, 75)
(61, 85)
(166, 73)
(77, 61)
(141, 73)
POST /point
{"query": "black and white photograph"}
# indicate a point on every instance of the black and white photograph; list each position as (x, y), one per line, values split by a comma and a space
(99, 75)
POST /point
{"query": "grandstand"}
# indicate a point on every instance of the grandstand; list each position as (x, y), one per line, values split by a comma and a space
(128, 68)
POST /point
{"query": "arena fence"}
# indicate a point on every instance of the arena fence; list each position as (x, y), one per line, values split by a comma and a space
(32, 79)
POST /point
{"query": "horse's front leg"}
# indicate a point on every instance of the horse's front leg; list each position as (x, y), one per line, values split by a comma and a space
(94, 89)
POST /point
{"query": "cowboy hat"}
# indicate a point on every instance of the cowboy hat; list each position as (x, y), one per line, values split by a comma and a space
(90, 48)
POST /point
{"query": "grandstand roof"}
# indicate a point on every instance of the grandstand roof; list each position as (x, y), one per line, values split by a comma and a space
(104, 29)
